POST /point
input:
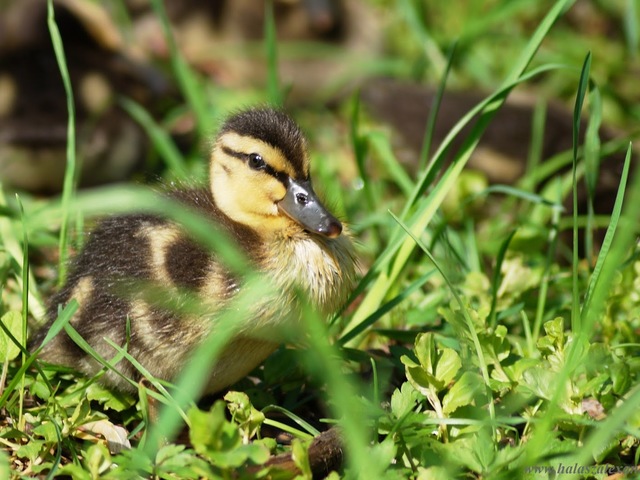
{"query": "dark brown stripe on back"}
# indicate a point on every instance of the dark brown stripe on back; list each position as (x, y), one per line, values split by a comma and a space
(187, 263)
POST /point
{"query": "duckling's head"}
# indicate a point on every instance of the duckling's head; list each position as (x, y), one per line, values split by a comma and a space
(260, 176)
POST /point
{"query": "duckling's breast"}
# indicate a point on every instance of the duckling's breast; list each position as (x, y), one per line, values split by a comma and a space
(321, 268)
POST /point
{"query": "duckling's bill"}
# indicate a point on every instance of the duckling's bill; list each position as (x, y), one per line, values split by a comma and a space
(303, 206)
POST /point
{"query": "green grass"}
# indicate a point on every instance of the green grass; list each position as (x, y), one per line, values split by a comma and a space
(469, 349)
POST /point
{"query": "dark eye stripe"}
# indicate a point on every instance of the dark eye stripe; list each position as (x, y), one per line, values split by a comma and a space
(280, 176)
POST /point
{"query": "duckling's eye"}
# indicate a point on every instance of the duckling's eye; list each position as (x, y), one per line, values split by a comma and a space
(256, 162)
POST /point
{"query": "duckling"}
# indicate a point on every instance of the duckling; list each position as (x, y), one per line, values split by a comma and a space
(260, 194)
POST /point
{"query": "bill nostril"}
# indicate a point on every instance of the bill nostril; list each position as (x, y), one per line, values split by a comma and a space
(333, 229)
(302, 199)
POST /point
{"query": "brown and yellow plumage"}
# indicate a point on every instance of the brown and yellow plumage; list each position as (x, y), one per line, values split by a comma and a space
(261, 196)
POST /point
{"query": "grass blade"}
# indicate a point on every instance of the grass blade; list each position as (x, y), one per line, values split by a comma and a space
(595, 281)
(187, 80)
(434, 109)
(162, 142)
(577, 114)
(495, 281)
(70, 173)
(385, 154)
(274, 93)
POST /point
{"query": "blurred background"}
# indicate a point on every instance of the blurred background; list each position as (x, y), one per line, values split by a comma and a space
(392, 52)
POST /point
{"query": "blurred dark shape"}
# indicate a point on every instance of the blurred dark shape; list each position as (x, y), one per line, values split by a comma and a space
(323, 45)
(594, 18)
(504, 148)
(33, 104)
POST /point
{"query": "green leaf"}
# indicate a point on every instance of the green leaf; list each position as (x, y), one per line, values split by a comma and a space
(432, 473)
(4, 465)
(12, 321)
(300, 456)
(421, 380)
(210, 430)
(555, 328)
(31, 450)
(168, 451)
(485, 449)
(248, 417)
(517, 369)
(425, 350)
(463, 392)
(112, 399)
(47, 431)
(605, 449)
(97, 460)
(448, 365)
(621, 377)
(238, 456)
(219, 440)
(474, 452)
(540, 381)
(175, 461)
(75, 471)
(442, 365)
(495, 347)
(403, 400)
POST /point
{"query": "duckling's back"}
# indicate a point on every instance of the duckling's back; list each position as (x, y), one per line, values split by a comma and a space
(135, 282)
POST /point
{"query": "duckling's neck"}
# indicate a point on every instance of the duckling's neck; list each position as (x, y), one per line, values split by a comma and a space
(322, 268)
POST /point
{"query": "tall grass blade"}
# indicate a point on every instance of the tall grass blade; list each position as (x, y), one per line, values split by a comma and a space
(70, 173)
(25, 305)
(58, 325)
(162, 142)
(596, 286)
(527, 182)
(631, 30)
(552, 241)
(577, 114)
(312, 431)
(360, 149)
(592, 162)
(434, 109)
(495, 280)
(11, 245)
(432, 52)
(532, 198)
(380, 144)
(385, 308)
(187, 80)
(324, 360)
(192, 379)
(274, 93)
(119, 200)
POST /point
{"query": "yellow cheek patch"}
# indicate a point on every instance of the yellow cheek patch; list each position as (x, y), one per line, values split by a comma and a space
(271, 155)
